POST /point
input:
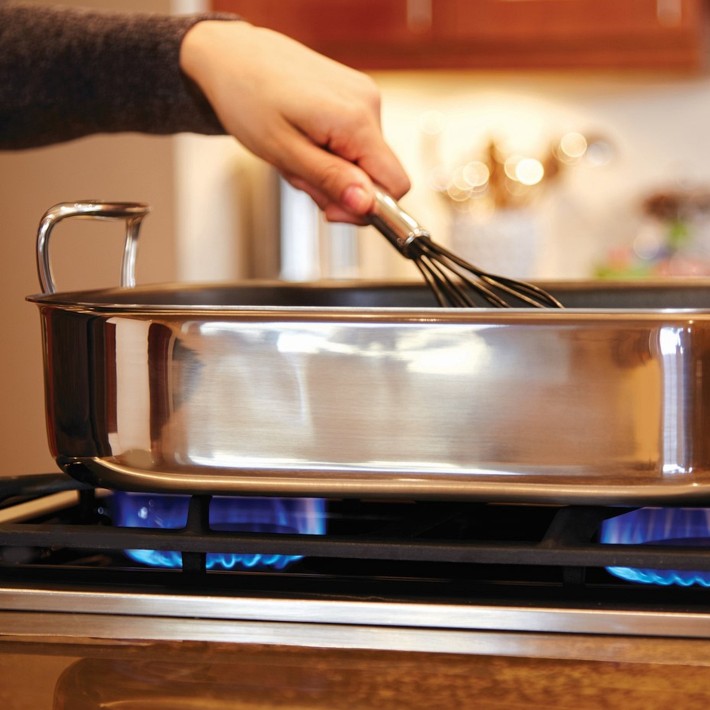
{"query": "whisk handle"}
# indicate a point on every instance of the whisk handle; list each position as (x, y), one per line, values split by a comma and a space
(396, 225)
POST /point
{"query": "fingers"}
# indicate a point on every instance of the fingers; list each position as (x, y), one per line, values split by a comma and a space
(333, 212)
(342, 186)
(327, 178)
(386, 170)
(361, 142)
(349, 158)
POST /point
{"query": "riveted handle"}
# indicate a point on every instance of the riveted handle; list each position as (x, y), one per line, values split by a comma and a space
(133, 214)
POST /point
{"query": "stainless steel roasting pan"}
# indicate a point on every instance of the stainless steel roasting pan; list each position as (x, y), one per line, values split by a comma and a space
(364, 389)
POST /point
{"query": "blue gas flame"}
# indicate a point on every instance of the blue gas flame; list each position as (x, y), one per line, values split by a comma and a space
(264, 515)
(660, 526)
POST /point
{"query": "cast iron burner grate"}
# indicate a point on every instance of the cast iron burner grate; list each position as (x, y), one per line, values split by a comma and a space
(373, 549)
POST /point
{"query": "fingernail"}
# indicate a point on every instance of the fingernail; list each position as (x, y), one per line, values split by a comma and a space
(357, 200)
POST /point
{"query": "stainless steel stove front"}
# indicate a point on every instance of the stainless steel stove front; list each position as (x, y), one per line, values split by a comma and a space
(401, 626)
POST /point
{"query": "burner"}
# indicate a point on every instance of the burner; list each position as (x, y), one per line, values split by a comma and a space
(260, 515)
(661, 526)
(365, 548)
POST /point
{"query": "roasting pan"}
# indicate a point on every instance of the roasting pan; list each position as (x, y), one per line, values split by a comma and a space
(360, 389)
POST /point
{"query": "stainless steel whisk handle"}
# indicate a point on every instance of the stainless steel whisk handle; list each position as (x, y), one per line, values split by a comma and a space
(399, 227)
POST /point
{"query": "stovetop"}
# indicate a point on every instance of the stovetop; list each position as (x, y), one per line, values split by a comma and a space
(435, 569)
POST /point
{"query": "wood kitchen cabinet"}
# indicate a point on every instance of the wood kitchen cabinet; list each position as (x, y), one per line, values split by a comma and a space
(368, 34)
(512, 34)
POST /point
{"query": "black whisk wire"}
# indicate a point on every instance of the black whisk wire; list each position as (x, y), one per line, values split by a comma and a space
(487, 284)
(454, 282)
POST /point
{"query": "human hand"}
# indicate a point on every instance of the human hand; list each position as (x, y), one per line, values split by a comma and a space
(316, 121)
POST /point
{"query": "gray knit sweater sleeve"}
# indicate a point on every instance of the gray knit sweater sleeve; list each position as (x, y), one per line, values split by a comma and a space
(66, 73)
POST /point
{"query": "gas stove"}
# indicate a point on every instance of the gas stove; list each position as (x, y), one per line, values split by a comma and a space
(398, 603)
(398, 575)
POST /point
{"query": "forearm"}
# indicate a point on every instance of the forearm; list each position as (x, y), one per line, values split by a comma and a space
(66, 73)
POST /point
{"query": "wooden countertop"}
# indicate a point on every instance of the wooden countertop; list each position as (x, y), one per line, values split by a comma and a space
(630, 674)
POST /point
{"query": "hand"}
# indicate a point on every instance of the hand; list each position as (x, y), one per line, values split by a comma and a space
(316, 121)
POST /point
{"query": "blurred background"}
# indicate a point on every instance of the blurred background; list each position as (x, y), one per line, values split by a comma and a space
(548, 139)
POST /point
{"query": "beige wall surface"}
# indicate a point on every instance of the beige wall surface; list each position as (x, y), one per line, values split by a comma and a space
(85, 255)
(656, 126)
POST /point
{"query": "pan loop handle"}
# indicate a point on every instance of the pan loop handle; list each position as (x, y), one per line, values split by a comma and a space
(133, 214)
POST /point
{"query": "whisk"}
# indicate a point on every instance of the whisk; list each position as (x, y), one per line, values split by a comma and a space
(453, 281)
